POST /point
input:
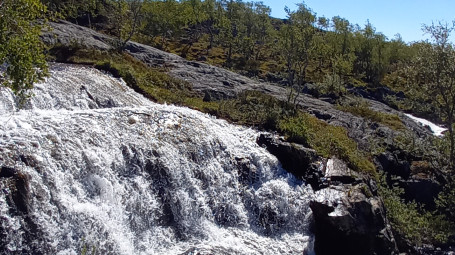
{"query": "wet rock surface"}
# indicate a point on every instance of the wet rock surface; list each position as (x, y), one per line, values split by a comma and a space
(295, 158)
(351, 221)
(349, 216)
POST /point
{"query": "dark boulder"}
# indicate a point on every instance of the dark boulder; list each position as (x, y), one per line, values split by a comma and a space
(6, 172)
(348, 220)
(15, 186)
(394, 164)
(16, 189)
(348, 217)
(295, 158)
(424, 190)
(419, 181)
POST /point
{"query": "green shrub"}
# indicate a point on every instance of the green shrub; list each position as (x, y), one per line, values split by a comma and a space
(256, 109)
(362, 109)
(332, 84)
(327, 140)
(446, 201)
(410, 221)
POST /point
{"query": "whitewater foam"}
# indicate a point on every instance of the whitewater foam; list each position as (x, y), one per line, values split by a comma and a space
(108, 171)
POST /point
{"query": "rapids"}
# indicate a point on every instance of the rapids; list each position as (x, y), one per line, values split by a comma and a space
(435, 129)
(91, 167)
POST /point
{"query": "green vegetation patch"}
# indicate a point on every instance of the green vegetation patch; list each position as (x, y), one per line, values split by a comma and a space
(257, 109)
(362, 109)
(327, 140)
(412, 222)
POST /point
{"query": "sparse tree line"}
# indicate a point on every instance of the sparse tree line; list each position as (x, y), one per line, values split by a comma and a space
(245, 31)
(305, 47)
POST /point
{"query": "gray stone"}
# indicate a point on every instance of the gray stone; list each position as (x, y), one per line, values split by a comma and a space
(303, 162)
(348, 221)
(337, 171)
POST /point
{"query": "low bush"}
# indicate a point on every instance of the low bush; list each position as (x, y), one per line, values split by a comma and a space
(255, 109)
(327, 140)
(332, 85)
(362, 109)
(413, 223)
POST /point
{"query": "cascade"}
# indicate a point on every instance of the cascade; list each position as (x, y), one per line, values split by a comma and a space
(435, 129)
(91, 167)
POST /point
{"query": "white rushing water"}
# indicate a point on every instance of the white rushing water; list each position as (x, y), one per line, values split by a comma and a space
(437, 130)
(108, 172)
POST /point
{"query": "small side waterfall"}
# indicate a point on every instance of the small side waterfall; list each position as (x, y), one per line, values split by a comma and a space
(91, 167)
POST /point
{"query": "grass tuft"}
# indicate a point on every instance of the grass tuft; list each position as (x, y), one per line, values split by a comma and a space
(327, 140)
(362, 109)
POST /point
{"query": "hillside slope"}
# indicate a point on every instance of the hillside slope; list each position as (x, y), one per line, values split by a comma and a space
(220, 83)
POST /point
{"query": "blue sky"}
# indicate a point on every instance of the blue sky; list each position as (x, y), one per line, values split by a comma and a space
(388, 16)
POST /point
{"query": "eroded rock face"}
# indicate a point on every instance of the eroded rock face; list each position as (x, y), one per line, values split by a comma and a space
(337, 172)
(349, 216)
(216, 83)
(351, 221)
(295, 158)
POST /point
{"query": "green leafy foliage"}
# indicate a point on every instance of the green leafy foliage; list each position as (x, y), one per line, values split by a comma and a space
(297, 44)
(410, 221)
(165, 19)
(243, 36)
(446, 201)
(72, 9)
(126, 16)
(332, 85)
(432, 76)
(21, 51)
(255, 109)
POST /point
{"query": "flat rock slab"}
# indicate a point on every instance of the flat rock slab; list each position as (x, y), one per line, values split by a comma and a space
(336, 170)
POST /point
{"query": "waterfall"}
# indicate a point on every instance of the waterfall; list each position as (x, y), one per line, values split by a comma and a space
(91, 167)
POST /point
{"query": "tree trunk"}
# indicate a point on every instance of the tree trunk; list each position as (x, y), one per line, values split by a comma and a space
(452, 142)
(211, 39)
(89, 21)
(229, 56)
